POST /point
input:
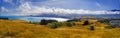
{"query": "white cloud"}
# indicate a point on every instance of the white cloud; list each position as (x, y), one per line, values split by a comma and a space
(98, 4)
(24, 7)
(9, 1)
(29, 9)
(3, 9)
(68, 4)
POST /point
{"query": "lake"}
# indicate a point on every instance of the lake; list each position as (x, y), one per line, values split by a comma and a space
(34, 19)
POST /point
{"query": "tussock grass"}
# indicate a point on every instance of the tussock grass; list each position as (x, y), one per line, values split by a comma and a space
(21, 29)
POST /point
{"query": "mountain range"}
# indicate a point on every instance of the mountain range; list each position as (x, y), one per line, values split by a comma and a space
(80, 15)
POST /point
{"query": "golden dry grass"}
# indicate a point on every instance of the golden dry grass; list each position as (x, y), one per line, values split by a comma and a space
(21, 29)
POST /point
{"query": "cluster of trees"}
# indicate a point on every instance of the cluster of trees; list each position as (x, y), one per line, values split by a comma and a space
(55, 24)
(45, 22)
(107, 21)
(4, 18)
(104, 20)
(59, 24)
(73, 20)
(91, 27)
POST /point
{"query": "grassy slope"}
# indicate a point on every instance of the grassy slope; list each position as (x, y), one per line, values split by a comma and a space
(22, 29)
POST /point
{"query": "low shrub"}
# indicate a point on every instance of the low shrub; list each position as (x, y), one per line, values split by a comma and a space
(104, 21)
(45, 22)
(70, 24)
(34, 22)
(91, 28)
(59, 24)
(109, 27)
(53, 25)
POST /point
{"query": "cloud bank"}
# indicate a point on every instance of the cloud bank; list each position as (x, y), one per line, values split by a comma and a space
(3, 9)
(8, 1)
(28, 9)
(51, 7)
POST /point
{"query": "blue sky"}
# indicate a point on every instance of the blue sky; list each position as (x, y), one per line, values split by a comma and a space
(9, 7)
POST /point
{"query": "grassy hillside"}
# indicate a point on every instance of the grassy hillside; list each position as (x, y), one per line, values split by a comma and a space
(22, 29)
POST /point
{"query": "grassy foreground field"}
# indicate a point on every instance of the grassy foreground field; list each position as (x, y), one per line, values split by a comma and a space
(22, 29)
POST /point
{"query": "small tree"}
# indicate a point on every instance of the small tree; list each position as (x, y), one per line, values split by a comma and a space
(91, 28)
(43, 22)
(86, 23)
(30, 22)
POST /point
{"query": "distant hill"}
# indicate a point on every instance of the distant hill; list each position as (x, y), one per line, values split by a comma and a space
(106, 14)
(115, 10)
(80, 15)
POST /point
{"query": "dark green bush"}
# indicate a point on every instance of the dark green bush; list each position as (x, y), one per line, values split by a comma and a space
(4, 18)
(73, 20)
(59, 24)
(53, 25)
(86, 23)
(110, 27)
(104, 20)
(45, 22)
(70, 24)
(92, 28)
